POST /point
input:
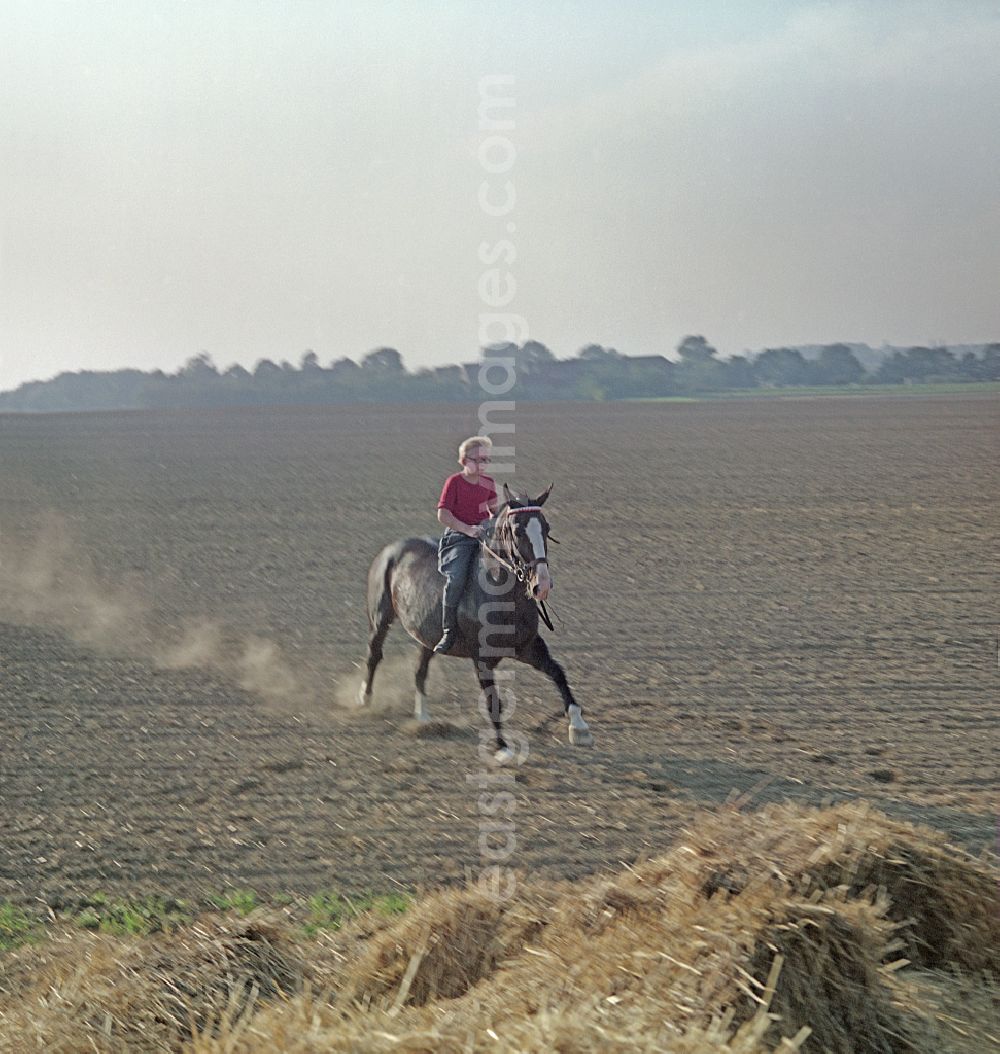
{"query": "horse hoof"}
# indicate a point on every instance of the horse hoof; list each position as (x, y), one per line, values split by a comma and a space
(581, 737)
(504, 756)
(363, 696)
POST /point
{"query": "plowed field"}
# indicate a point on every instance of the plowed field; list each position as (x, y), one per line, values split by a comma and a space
(765, 598)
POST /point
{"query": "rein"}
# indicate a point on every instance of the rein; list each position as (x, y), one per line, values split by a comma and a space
(521, 570)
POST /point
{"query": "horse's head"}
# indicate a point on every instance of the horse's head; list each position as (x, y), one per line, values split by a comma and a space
(521, 529)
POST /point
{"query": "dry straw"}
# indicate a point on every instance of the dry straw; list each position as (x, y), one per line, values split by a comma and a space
(833, 930)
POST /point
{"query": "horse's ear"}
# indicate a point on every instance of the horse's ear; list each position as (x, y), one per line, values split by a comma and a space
(541, 499)
(508, 497)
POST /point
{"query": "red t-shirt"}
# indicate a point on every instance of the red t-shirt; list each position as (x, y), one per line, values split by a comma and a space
(468, 502)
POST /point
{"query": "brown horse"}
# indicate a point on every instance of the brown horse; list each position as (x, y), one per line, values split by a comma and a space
(498, 616)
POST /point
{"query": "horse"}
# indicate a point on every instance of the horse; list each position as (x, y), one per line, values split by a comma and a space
(497, 618)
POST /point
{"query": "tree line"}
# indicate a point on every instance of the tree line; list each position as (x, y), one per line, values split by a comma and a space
(596, 373)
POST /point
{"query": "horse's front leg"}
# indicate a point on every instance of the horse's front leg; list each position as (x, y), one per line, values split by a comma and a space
(489, 700)
(538, 657)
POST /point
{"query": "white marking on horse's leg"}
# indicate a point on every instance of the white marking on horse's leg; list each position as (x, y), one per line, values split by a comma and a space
(420, 711)
(579, 731)
(504, 756)
(363, 694)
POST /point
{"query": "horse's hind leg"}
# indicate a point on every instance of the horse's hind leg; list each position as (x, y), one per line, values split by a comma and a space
(380, 627)
(420, 698)
(538, 657)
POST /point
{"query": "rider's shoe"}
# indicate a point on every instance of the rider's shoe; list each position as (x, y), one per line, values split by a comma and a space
(449, 621)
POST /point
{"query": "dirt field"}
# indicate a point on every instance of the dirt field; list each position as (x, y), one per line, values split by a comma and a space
(776, 598)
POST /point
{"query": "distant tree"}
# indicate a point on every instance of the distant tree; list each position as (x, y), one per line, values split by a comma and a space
(194, 384)
(385, 361)
(236, 372)
(309, 363)
(892, 369)
(970, 367)
(836, 364)
(738, 372)
(597, 353)
(990, 363)
(644, 375)
(344, 367)
(695, 349)
(781, 367)
(919, 364)
(266, 370)
(931, 363)
(530, 359)
(699, 369)
(86, 390)
(199, 367)
(534, 358)
(598, 373)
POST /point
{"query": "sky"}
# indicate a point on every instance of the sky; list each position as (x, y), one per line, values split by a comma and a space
(255, 178)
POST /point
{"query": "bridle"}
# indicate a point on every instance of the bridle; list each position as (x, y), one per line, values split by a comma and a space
(519, 567)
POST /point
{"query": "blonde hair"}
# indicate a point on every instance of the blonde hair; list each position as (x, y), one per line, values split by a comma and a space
(472, 442)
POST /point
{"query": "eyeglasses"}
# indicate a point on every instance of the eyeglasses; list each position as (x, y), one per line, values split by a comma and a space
(479, 460)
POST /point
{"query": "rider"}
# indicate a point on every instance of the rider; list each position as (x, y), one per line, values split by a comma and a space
(468, 499)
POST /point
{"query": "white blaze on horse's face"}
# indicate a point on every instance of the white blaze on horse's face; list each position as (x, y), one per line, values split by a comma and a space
(543, 580)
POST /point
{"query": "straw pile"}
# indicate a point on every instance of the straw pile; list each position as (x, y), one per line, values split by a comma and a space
(85, 991)
(834, 930)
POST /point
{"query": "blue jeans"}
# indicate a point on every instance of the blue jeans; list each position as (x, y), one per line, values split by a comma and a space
(456, 555)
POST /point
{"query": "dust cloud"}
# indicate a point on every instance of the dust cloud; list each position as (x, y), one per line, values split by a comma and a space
(200, 644)
(393, 688)
(49, 581)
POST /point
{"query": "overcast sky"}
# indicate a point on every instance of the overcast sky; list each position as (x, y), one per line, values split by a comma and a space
(258, 177)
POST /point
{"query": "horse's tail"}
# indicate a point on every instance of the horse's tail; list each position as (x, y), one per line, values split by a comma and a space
(380, 576)
(380, 587)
